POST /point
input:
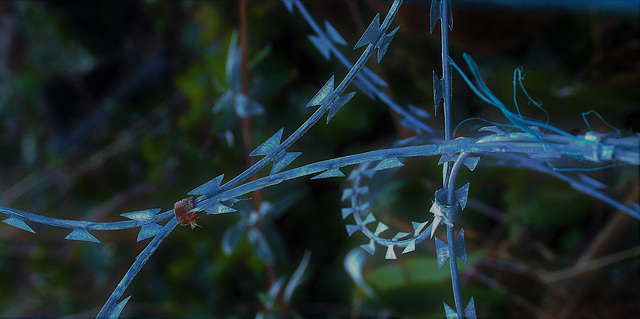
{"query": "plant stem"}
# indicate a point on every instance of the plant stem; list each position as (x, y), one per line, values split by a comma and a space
(244, 89)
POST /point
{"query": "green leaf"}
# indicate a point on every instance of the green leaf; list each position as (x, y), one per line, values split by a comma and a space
(417, 271)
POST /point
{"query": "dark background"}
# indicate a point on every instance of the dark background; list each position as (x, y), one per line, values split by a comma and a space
(105, 108)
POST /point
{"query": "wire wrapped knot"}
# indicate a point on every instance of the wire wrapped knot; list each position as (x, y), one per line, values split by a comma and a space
(600, 152)
(447, 212)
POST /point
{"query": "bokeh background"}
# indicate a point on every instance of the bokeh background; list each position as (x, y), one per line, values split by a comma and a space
(106, 108)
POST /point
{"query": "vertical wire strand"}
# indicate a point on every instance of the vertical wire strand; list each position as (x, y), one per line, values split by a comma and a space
(447, 183)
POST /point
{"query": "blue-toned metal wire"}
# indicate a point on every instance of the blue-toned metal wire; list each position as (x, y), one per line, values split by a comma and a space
(525, 142)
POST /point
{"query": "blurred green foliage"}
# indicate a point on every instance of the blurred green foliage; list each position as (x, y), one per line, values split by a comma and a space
(106, 108)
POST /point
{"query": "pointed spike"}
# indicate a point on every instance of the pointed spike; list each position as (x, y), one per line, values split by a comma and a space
(383, 44)
(215, 207)
(333, 34)
(472, 162)
(323, 95)
(410, 123)
(352, 229)
(544, 156)
(142, 215)
(369, 173)
(18, 222)
(246, 106)
(269, 145)
(400, 235)
(115, 313)
(346, 212)
(82, 235)
(438, 9)
(224, 102)
(410, 247)
(419, 112)
(438, 92)
(370, 247)
(363, 190)
(428, 229)
(592, 182)
(209, 188)
(321, 44)
(353, 175)
(535, 129)
(391, 254)
(370, 219)
(332, 172)
(380, 228)
(338, 104)
(365, 87)
(363, 207)
(470, 311)
(417, 227)
(445, 158)
(462, 194)
(253, 216)
(491, 128)
(442, 252)
(285, 159)
(375, 79)
(370, 36)
(435, 208)
(444, 171)
(232, 65)
(434, 14)
(288, 4)
(450, 313)
(460, 249)
(388, 163)
(221, 209)
(450, 15)
(265, 208)
(436, 222)
(347, 193)
(148, 231)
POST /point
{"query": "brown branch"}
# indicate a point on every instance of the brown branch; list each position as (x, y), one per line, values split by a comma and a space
(244, 89)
